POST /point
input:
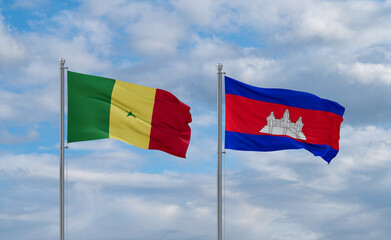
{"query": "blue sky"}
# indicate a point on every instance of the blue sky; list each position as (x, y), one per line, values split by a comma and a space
(339, 50)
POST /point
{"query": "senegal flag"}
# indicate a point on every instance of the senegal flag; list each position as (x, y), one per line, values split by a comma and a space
(145, 117)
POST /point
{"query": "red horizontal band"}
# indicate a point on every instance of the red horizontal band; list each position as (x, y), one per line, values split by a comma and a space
(246, 115)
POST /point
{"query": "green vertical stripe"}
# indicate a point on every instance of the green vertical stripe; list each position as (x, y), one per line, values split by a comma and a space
(89, 100)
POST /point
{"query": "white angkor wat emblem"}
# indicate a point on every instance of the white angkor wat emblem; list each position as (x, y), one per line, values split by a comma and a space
(284, 126)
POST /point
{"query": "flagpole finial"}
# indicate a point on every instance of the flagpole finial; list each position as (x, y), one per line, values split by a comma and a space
(62, 61)
(219, 67)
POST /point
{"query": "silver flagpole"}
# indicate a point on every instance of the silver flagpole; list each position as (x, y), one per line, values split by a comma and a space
(62, 63)
(219, 152)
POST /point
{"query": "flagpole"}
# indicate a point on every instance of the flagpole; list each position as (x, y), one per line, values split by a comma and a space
(62, 63)
(219, 151)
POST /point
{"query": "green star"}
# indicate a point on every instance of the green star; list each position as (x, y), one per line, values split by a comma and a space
(131, 114)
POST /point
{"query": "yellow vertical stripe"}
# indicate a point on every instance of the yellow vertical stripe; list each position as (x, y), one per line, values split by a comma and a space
(131, 113)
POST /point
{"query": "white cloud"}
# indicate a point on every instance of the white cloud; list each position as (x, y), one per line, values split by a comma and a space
(98, 169)
(204, 14)
(8, 138)
(367, 147)
(156, 34)
(151, 29)
(21, 108)
(252, 69)
(118, 191)
(256, 222)
(367, 73)
(41, 166)
(135, 180)
(10, 48)
(210, 15)
(349, 23)
(42, 216)
(168, 213)
(26, 4)
(205, 119)
(96, 146)
(361, 149)
(76, 50)
(268, 195)
(96, 31)
(324, 21)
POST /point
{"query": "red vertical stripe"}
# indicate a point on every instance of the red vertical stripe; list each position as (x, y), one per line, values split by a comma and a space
(170, 130)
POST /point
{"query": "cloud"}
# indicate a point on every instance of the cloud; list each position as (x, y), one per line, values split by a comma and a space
(100, 169)
(21, 108)
(171, 218)
(93, 37)
(11, 49)
(294, 184)
(79, 25)
(268, 195)
(361, 149)
(77, 52)
(205, 119)
(368, 146)
(336, 49)
(150, 29)
(256, 222)
(156, 33)
(316, 21)
(8, 138)
(368, 73)
(253, 69)
(183, 199)
(29, 166)
(25, 4)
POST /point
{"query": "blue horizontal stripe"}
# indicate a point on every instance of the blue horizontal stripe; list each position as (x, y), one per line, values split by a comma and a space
(282, 96)
(265, 143)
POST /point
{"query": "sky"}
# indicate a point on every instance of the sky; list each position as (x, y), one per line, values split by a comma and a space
(336, 49)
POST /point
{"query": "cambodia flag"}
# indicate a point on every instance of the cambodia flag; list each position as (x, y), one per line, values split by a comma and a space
(261, 119)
